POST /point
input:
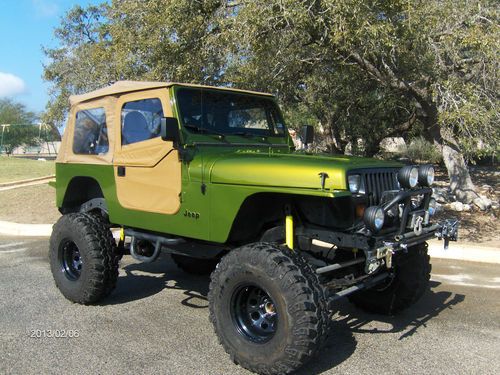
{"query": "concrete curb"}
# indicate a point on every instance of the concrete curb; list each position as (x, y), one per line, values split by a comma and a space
(21, 182)
(464, 252)
(25, 230)
(456, 251)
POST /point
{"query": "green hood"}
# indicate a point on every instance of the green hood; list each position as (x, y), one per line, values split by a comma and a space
(289, 170)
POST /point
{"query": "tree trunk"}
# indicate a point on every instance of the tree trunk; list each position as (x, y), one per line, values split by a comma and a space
(336, 144)
(460, 181)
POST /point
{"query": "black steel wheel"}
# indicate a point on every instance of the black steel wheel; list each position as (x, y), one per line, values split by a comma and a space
(265, 311)
(254, 313)
(83, 257)
(70, 259)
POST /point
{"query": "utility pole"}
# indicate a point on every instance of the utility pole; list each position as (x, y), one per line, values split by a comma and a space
(3, 130)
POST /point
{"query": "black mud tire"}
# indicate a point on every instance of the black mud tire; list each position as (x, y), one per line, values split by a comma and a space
(322, 293)
(286, 280)
(195, 266)
(90, 235)
(412, 272)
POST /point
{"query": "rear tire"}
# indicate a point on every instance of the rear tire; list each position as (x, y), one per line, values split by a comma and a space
(265, 312)
(195, 266)
(410, 282)
(83, 257)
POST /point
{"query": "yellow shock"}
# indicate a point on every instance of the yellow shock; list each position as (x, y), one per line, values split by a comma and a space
(289, 231)
(122, 234)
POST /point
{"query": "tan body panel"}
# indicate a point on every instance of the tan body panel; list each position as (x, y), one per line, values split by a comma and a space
(152, 180)
(122, 87)
(66, 154)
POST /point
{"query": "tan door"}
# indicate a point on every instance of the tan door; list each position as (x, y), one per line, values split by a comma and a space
(147, 169)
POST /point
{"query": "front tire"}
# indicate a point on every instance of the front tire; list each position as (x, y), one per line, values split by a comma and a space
(411, 280)
(265, 312)
(83, 257)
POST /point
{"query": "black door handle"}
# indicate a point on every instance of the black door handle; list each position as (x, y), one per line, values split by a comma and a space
(121, 171)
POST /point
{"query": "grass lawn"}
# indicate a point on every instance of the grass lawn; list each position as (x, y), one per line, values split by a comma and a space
(29, 205)
(13, 169)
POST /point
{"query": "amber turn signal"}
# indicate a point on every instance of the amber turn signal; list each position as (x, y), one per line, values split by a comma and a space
(360, 210)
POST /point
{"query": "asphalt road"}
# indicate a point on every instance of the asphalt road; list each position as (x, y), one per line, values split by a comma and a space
(156, 321)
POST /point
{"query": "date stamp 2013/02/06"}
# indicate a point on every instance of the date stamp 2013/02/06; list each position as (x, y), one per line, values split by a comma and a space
(54, 333)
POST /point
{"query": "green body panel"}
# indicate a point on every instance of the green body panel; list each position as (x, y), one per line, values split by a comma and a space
(287, 170)
(229, 170)
(230, 175)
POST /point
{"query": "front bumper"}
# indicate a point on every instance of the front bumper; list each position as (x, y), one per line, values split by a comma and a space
(413, 227)
(446, 230)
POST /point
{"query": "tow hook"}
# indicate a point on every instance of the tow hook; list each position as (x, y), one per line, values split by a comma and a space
(388, 258)
(417, 228)
(387, 253)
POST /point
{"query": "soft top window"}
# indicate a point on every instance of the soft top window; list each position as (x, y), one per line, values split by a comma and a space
(141, 120)
(91, 133)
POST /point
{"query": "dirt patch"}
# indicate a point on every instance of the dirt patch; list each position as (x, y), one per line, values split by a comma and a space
(477, 226)
(29, 205)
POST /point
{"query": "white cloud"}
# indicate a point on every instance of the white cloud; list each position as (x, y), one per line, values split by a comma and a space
(11, 85)
(45, 8)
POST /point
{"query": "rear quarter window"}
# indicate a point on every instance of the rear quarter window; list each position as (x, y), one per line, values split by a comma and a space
(91, 133)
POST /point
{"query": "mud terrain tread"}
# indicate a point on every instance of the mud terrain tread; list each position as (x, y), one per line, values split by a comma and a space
(321, 292)
(411, 280)
(283, 268)
(100, 247)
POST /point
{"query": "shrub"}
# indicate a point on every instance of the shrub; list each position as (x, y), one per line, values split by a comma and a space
(422, 151)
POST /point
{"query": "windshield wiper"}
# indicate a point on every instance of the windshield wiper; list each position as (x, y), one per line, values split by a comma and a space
(243, 134)
(204, 130)
(263, 138)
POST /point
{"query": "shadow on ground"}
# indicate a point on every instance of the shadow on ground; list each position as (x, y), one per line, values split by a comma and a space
(144, 280)
(349, 320)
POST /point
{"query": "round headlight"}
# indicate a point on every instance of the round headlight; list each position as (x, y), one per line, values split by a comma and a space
(354, 182)
(408, 177)
(432, 206)
(374, 218)
(426, 175)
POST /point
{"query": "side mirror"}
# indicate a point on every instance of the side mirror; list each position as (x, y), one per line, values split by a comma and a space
(169, 130)
(307, 134)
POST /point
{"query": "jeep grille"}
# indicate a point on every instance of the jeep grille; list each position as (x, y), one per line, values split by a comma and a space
(377, 181)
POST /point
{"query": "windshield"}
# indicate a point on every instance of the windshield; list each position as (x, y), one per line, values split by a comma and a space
(227, 113)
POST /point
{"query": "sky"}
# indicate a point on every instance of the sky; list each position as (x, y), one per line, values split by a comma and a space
(26, 26)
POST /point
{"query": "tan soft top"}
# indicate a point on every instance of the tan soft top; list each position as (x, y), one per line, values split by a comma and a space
(130, 86)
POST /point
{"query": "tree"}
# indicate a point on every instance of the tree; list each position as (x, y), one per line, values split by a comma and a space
(15, 113)
(438, 58)
(20, 135)
(146, 40)
(364, 69)
(15, 135)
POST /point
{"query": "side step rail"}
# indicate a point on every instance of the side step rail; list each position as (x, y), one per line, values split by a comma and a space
(155, 239)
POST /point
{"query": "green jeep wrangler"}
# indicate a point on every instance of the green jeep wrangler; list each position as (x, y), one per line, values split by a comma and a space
(211, 176)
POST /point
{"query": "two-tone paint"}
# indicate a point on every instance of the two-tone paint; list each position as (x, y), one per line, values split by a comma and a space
(218, 175)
